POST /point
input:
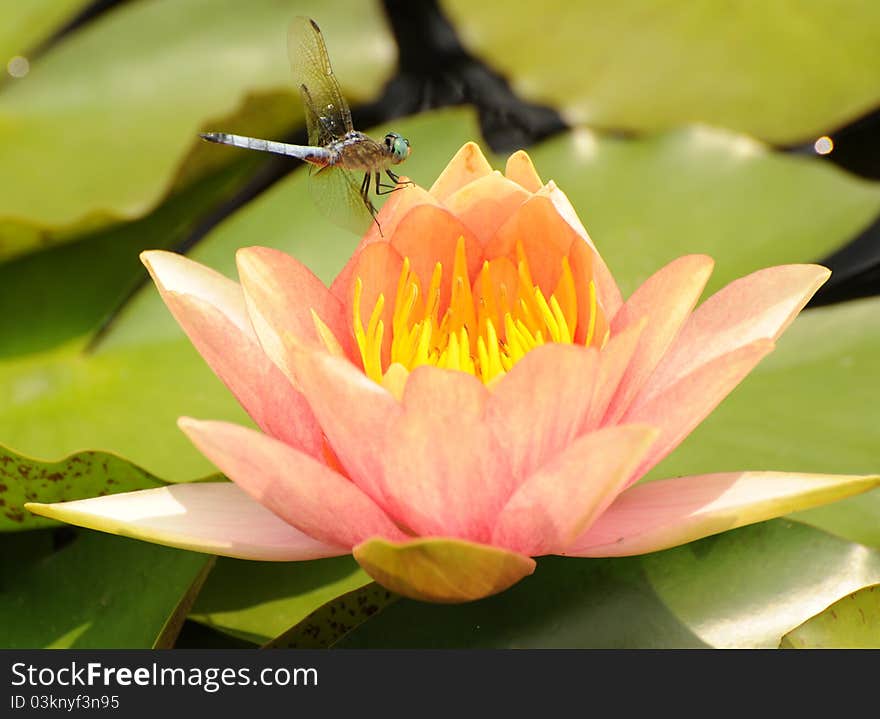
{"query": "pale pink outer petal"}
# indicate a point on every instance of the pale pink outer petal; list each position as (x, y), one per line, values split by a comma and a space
(212, 517)
(211, 310)
(559, 501)
(662, 514)
(281, 294)
(306, 494)
(443, 473)
(665, 299)
(540, 406)
(608, 290)
(613, 360)
(355, 413)
(758, 306)
(467, 165)
(681, 407)
(486, 203)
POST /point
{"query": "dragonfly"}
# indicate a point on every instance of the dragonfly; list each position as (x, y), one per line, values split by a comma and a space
(337, 153)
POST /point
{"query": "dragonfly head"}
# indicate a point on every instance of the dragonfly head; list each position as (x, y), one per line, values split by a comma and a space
(397, 146)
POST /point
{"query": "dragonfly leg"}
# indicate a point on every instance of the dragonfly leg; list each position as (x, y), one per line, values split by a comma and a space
(383, 189)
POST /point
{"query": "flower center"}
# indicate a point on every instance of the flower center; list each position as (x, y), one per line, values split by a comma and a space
(484, 335)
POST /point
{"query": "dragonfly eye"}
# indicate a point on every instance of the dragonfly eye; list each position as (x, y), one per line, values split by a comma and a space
(398, 145)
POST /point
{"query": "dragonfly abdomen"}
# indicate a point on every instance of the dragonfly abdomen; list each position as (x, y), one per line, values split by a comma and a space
(316, 155)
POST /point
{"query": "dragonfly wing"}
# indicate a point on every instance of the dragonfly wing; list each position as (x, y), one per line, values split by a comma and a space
(337, 193)
(327, 113)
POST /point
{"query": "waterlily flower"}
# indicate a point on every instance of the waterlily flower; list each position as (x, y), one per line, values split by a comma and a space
(471, 392)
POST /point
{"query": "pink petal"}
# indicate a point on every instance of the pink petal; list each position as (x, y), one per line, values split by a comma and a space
(662, 514)
(758, 306)
(665, 299)
(606, 285)
(485, 204)
(211, 310)
(467, 165)
(443, 473)
(538, 408)
(441, 569)
(681, 407)
(547, 513)
(354, 411)
(521, 170)
(613, 361)
(212, 517)
(281, 295)
(303, 492)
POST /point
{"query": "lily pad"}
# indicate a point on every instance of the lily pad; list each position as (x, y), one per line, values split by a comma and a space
(258, 601)
(783, 72)
(85, 474)
(98, 592)
(850, 623)
(708, 593)
(25, 25)
(64, 294)
(114, 108)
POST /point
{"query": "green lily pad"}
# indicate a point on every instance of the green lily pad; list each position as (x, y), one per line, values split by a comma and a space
(125, 397)
(116, 107)
(812, 405)
(25, 25)
(708, 593)
(330, 622)
(850, 623)
(98, 592)
(780, 71)
(64, 294)
(82, 475)
(258, 601)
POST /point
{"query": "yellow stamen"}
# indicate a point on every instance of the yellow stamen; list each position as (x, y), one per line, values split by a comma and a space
(464, 336)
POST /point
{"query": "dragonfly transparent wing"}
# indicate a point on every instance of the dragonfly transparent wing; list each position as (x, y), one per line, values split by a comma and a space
(328, 117)
(337, 193)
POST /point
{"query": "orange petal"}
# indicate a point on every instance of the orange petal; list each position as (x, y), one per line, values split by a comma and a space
(212, 517)
(544, 236)
(304, 493)
(665, 300)
(443, 473)
(758, 306)
(521, 170)
(211, 310)
(444, 230)
(681, 407)
(355, 413)
(467, 165)
(486, 203)
(548, 512)
(396, 206)
(662, 514)
(378, 266)
(282, 293)
(609, 293)
(438, 569)
(538, 408)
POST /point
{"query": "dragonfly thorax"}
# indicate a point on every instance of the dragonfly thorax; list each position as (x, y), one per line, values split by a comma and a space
(357, 151)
